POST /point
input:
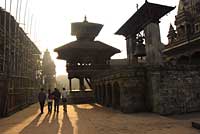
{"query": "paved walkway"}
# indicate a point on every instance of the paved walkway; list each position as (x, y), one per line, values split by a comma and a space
(94, 119)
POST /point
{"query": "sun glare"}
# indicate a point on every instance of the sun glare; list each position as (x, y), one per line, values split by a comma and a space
(51, 22)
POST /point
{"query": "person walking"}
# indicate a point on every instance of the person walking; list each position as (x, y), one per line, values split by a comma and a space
(49, 100)
(64, 99)
(56, 95)
(42, 98)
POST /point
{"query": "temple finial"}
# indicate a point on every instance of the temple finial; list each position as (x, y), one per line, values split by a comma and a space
(146, 1)
(85, 19)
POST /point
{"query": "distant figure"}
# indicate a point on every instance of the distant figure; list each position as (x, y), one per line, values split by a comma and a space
(49, 100)
(42, 98)
(64, 99)
(56, 95)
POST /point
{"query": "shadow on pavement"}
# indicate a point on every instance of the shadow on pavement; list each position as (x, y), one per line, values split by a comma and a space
(84, 122)
(66, 127)
(51, 123)
(18, 118)
(33, 126)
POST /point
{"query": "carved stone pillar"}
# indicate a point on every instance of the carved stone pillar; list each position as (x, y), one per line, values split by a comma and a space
(130, 46)
(153, 44)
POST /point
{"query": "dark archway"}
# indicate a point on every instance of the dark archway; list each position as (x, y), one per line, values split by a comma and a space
(100, 94)
(183, 60)
(96, 92)
(103, 94)
(109, 95)
(195, 58)
(116, 96)
(73, 84)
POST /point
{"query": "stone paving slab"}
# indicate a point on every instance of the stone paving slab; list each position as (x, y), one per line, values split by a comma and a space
(94, 119)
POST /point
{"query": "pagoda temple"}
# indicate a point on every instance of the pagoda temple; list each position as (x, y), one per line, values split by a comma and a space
(85, 56)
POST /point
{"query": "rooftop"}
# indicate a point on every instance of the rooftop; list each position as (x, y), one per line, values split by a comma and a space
(149, 12)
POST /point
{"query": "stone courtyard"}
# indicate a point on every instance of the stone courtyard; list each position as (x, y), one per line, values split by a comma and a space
(95, 119)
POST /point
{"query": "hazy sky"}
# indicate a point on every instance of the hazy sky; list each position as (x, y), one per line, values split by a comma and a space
(51, 21)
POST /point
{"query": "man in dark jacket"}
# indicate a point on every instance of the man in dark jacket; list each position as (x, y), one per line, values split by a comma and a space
(56, 95)
(42, 98)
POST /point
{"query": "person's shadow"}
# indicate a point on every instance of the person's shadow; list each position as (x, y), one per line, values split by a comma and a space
(51, 123)
(34, 127)
(66, 125)
(42, 125)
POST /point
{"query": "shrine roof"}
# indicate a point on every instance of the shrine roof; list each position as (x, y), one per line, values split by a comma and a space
(85, 29)
(149, 12)
(86, 46)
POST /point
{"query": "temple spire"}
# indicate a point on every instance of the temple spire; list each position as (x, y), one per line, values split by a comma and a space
(85, 30)
(171, 28)
(171, 34)
(85, 19)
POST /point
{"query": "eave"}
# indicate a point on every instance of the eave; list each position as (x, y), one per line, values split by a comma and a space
(148, 13)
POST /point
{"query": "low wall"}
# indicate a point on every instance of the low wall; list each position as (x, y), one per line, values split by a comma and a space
(160, 89)
(131, 85)
(174, 89)
(80, 97)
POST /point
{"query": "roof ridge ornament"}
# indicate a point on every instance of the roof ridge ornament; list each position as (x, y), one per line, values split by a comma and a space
(85, 19)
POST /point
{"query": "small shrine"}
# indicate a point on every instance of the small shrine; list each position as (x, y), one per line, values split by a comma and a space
(85, 56)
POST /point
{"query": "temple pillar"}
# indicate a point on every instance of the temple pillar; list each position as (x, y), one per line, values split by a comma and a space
(99, 94)
(81, 84)
(106, 98)
(154, 46)
(95, 93)
(130, 46)
(70, 84)
(113, 98)
(102, 96)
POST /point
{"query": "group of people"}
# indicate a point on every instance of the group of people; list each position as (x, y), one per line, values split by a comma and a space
(55, 96)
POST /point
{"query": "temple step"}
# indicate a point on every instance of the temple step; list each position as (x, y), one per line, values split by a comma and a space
(196, 125)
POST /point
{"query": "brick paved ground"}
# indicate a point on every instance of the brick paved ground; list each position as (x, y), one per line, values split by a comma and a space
(94, 119)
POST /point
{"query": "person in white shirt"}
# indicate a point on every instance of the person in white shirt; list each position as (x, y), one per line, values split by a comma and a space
(64, 99)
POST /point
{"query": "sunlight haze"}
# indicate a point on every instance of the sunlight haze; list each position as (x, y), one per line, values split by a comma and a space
(51, 21)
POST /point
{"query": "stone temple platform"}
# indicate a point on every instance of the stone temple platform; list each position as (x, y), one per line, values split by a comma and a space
(80, 97)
